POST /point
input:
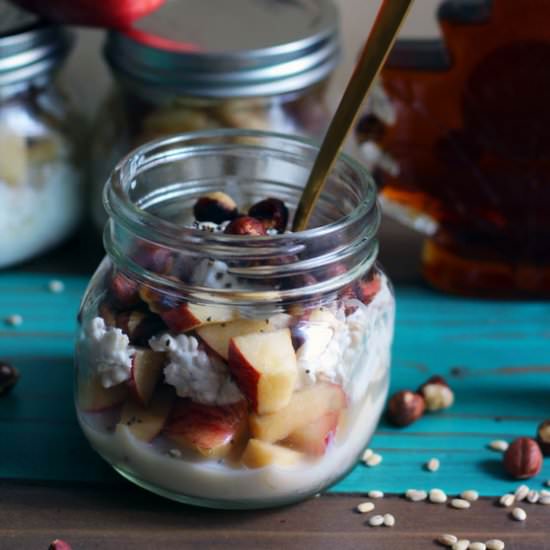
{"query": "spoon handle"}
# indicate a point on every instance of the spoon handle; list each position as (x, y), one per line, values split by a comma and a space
(391, 15)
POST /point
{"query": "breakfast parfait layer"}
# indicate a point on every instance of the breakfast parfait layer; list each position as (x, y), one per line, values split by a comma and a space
(224, 402)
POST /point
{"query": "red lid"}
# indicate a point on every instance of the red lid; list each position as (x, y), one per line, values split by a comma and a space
(103, 13)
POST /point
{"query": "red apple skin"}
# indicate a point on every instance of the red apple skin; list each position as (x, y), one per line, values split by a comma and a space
(367, 289)
(316, 437)
(123, 292)
(246, 376)
(211, 430)
(180, 319)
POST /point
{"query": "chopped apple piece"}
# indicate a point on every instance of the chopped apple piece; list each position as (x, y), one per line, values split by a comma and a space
(93, 397)
(209, 430)
(314, 438)
(145, 373)
(217, 336)
(264, 367)
(259, 454)
(13, 157)
(305, 407)
(145, 423)
(187, 316)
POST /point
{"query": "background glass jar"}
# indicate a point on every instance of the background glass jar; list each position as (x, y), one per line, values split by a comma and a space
(233, 371)
(40, 184)
(227, 74)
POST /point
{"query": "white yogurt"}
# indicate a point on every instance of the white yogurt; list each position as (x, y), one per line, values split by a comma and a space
(264, 486)
(37, 216)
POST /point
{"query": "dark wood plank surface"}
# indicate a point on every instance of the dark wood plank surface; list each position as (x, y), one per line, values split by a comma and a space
(107, 518)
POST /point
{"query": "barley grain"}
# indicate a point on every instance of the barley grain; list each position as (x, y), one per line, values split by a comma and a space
(376, 494)
(365, 507)
(432, 465)
(544, 500)
(14, 320)
(460, 504)
(374, 460)
(477, 546)
(461, 544)
(416, 495)
(519, 514)
(469, 495)
(521, 493)
(507, 500)
(389, 520)
(494, 544)
(367, 454)
(437, 496)
(499, 445)
(533, 496)
(447, 539)
(376, 521)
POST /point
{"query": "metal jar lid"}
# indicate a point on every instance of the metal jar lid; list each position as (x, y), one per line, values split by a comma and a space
(229, 48)
(29, 47)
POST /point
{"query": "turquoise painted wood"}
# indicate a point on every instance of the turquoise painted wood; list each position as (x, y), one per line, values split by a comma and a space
(496, 356)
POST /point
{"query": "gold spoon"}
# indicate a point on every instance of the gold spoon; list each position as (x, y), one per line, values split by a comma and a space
(391, 15)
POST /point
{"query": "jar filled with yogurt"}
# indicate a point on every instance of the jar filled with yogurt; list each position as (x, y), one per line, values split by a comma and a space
(40, 184)
(193, 65)
(223, 360)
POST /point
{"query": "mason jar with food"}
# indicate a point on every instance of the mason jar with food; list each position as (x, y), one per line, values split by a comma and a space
(40, 183)
(251, 64)
(222, 359)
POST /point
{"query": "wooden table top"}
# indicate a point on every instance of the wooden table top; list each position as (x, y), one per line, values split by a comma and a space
(117, 515)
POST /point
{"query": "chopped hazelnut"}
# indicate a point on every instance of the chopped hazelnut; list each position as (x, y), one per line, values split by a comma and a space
(436, 393)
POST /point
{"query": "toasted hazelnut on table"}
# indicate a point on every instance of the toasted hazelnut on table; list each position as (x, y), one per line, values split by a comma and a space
(367, 289)
(9, 376)
(405, 407)
(273, 213)
(543, 437)
(523, 459)
(437, 394)
(246, 225)
(216, 207)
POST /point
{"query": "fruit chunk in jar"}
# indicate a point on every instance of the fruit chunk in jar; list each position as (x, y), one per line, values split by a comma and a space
(212, 387)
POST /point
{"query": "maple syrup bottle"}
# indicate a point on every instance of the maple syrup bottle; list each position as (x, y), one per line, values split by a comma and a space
(465, 153)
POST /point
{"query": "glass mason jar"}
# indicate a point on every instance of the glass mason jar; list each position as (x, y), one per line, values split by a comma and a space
(225, 370)
(223, 76)
(40, 184)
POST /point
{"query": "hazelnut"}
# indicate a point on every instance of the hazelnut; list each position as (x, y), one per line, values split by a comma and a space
(543, 437)
(9, 376)
(139, 326)
(367, 289)
(436, 393)
(369, 128)
(216, 207)
(153, 257)
(123, 291)
(405, 407)
(273, 213)
(59, 544)
(246, 225)
(523, 459)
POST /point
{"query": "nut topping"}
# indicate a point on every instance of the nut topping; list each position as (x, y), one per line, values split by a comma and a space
(543, 437)
(437, 394)
(216, 207)
(9, 376)
(405, 407)
(273, 214)
(523, 459)
(246, 225)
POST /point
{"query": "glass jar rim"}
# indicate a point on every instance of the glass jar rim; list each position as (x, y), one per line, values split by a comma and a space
(354, 232)
(117, 201)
